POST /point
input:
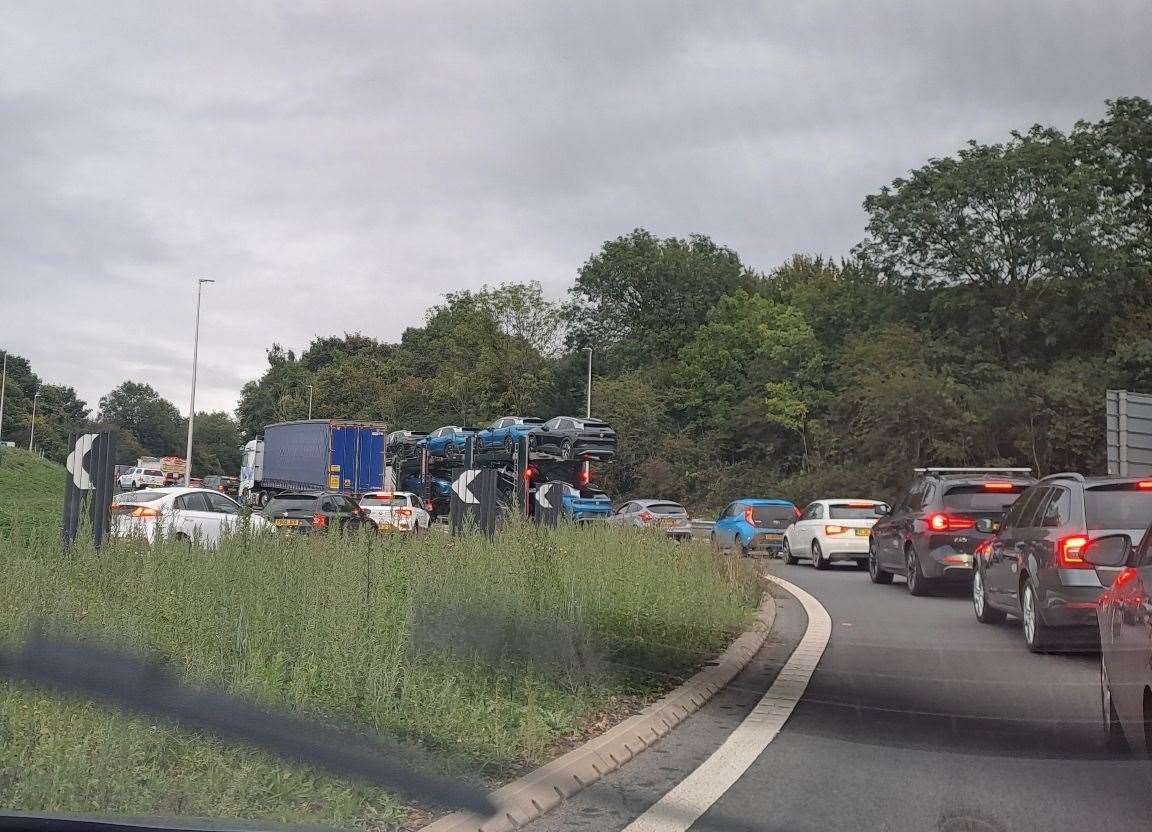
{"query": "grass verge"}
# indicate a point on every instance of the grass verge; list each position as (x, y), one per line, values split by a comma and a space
(31, 493)
(487, 652)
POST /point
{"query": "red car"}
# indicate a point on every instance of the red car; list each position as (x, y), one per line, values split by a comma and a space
(1124, 615)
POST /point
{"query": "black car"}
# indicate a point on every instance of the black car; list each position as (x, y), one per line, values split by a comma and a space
(309, 511)
(1035, 569)
(405, 443)
(576, 437)
(930, 534)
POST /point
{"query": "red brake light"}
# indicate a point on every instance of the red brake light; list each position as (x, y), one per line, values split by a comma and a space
(319, 521)
(144, 511)
(859, 504)
(646, 516)
(1124, 577)
(950, 523)
(1068, 550)
(797, 512)
(529, 473)
(749, 515)
(998, 486)
(404, 512)
(834, 530)
(585, 476)
(1144, 484)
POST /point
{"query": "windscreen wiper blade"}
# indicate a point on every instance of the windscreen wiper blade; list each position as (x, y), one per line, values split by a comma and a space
(147, 688)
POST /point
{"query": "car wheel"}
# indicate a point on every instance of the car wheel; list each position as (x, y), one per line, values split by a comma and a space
(566, 449)
(183, 539)
(509, 444)
(985, 613)
(917, 583)
(711, 539)
(789, 558)
(1114, 739)
(818, 559)
(1037, 634)
(875, 573)
(861, 563)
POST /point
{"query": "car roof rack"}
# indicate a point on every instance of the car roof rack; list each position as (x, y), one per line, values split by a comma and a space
(1064, 475)
(973, 470)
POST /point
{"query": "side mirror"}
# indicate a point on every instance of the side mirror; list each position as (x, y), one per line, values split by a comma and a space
(987, 525)
(1110, 550)
(882, 510)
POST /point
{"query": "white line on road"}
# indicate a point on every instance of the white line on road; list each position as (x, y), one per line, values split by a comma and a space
(691, 797)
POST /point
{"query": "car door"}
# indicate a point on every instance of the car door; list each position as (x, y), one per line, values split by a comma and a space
(227, 513)
(195, 518)
(1126, 636)
(721, 530)
(625, 515)
(801, 532)
(1010, 548)
(889, 547)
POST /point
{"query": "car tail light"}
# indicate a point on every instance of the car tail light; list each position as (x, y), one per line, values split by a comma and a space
(144, 511)
(1069, 549)
(983, 548)
(950, 523)
(998, 486)
(319, 521)
(585, 476)
(1144, 484)
(834, 530)
(404, 512)
(797, 512)
(749, 515)
(859, 504)
(646, 516)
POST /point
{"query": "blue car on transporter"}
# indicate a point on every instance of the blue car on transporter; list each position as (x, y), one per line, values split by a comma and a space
(446, 441)
(505, 431)
(754, 525)
(586, 504)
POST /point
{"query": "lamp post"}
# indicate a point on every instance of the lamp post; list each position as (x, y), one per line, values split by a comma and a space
(192, 404)
(588, 402)
(32, 422)
(3, 384)
(309, 401)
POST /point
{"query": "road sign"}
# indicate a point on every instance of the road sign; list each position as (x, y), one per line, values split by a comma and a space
(475, 499)
(462, 486)
(90, 467)
(550, 501)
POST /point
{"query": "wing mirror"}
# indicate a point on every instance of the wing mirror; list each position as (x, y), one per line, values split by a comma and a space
(882, 510)
(987, 525)
(1109, 550)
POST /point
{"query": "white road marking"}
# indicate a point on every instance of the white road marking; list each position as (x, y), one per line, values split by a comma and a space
(691, 797)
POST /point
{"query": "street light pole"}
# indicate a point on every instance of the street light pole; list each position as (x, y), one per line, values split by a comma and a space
(588, 403)
(192, 404)
(32, 435)
(3, 384)
(309, 401)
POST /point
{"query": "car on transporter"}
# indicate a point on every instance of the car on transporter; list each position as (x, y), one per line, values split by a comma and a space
(1034, 569)
(504, 432)
(833, 530)
(752, 525)
(930, 535)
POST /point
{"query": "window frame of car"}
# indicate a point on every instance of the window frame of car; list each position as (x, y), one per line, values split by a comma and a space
(810, 512)
(1028, 501)
(180, 501)
(724, 512)
(216, 499)
(1057, 494)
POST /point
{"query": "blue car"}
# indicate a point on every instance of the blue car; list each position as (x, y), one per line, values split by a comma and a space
(505, 431)
(587, 504)
(754, 525)
(441, 492)
(446, 441)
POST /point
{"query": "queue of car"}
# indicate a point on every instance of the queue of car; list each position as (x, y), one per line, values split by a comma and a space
(566, 437)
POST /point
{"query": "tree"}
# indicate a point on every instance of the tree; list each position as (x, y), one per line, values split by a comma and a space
(642, 298)
(216, 447)
(139, 409)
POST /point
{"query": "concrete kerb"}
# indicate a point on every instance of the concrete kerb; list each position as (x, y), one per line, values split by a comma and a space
(538, 792)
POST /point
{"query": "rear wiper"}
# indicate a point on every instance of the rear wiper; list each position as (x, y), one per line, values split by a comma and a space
(147, 688)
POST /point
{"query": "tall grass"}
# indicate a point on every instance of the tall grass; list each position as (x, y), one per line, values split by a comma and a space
(486, 651)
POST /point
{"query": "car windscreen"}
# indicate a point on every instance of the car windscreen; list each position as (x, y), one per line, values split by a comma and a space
(666, 508)
(846, 511)
(380, 500)
(531, 421)
(1123, 506)
(982, 498)
(135, 497)
(292, 502)
(773, 515)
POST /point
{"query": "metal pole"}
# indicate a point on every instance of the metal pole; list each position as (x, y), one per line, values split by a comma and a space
(192, 403)
(3, 385)
(32, 423)
(588, 403)
(309, 401)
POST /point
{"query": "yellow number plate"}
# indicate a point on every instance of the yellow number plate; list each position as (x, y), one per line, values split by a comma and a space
(284, 521)
(863, 532)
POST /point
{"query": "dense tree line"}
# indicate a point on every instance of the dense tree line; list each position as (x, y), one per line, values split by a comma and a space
(995, 296)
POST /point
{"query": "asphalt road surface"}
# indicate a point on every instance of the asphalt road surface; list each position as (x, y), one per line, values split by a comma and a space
(917, 718)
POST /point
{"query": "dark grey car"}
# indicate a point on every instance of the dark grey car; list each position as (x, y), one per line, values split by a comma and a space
(1034, 568)
(576, 437)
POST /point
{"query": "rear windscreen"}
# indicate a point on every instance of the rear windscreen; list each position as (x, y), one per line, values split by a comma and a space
(1118, 507)
(390, 501)
(134, 497)
(279, 505)
(979, 498)
(773, 515)
(842, 511)
(666, 508)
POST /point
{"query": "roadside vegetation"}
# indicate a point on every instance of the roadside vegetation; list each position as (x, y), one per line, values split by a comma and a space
(31, 493)
(491, 653)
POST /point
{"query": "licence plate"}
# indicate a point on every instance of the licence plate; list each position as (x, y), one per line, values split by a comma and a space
(284, 521)
(772, 537)
(863, 532)
(669, 522)
(385, 526)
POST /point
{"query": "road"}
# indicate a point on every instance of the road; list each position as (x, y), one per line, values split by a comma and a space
(917, 718)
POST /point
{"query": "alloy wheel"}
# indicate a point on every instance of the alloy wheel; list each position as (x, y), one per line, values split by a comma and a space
(978, 593)
(1029, 617)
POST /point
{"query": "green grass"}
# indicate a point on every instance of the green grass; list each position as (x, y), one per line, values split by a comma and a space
(487, 652)
(31, 492)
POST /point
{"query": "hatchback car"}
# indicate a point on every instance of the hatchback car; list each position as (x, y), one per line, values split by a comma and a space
(142, 478)
(191, 515)
(832, 530)
(504, 432)
(1124, 622)
(576, 437)
(317, 511)
(1035, 568)
(400, 511)
(662, 515)
(753, 525)
(586, 504)
(930, 535)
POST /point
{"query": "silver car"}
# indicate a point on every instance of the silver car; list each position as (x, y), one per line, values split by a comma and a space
(670, 518)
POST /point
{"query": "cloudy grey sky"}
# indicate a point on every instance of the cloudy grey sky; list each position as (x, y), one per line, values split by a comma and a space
(338, 166)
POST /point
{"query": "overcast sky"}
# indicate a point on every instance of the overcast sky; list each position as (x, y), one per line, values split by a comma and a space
(337, 167)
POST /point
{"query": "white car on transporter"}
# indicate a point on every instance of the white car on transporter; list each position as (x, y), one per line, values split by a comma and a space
(198, 515)
(831, 530)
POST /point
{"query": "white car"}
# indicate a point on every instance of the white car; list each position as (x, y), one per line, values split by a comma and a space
(198, 515)
(141, 478)
(831, 530)
(399, 511)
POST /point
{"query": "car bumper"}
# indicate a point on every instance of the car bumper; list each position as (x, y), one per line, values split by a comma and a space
(1069, 597)
(594, 448)
(764, 542)
(843, 547)
(948, 564)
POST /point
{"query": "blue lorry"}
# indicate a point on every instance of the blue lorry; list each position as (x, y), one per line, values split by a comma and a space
(315, 455)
